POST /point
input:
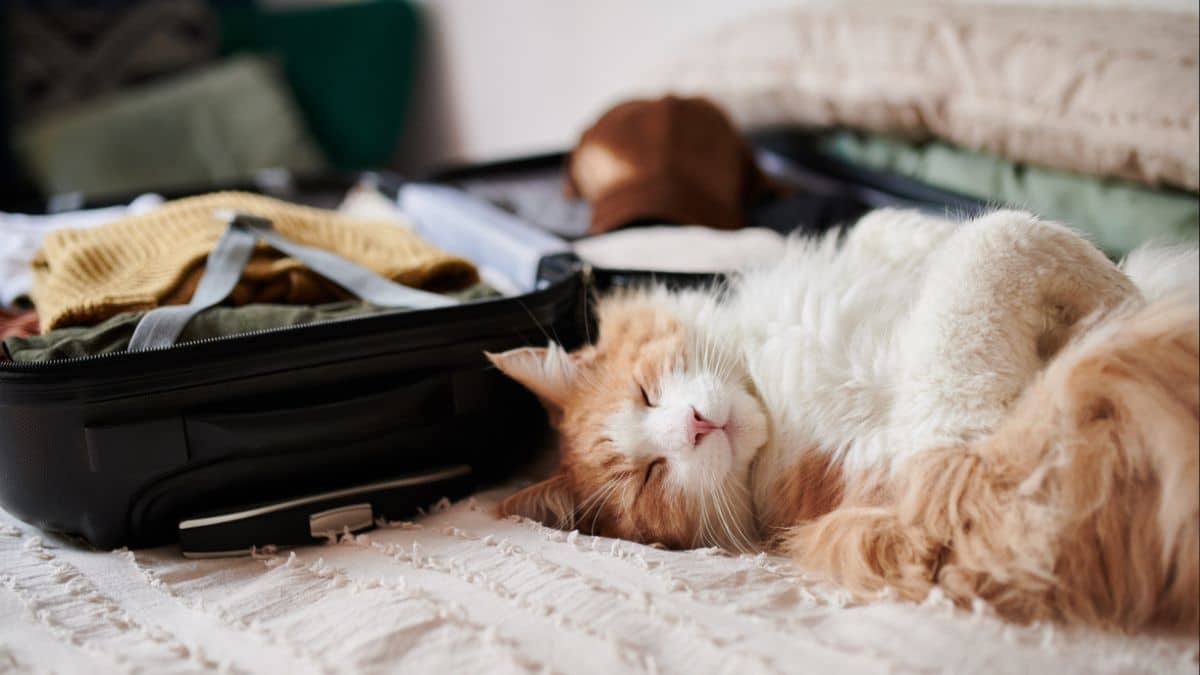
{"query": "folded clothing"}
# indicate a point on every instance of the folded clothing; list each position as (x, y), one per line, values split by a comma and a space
(508, 250)
(21, 236)
(691, 248)
(82, 277)
(1102, 91)
(1117, 215)
(113, 334)
(536, 196)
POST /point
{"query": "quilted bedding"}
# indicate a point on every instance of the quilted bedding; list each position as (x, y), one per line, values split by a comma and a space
(461, 591)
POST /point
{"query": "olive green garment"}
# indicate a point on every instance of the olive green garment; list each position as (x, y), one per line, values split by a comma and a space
(113, 335)
(1117, 215)
(215, 125)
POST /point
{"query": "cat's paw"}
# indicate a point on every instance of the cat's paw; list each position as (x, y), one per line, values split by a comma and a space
(867, 550)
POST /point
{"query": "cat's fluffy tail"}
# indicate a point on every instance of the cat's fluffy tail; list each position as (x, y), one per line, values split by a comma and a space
(1112, 436)
(1083, 506)
(1162, 271)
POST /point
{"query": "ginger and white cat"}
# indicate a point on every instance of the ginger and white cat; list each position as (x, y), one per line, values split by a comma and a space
(992, 407)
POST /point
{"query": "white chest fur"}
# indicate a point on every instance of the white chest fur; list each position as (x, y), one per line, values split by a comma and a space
(914, 333)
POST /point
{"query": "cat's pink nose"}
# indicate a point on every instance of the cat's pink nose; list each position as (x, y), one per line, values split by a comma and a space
(699, 426)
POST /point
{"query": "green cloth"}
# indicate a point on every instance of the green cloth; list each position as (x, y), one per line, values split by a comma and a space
(1117, 215)
(351, 66)
(113, 335)
(215, 125)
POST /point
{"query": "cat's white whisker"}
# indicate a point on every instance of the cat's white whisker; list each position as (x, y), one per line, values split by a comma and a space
(595, 503)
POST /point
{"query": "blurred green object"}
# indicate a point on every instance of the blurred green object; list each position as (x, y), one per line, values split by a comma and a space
(214, 125)
(1118, 216)
(351, 67)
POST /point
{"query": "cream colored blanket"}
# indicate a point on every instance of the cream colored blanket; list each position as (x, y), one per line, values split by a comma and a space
(460, 591)
(1094, 90)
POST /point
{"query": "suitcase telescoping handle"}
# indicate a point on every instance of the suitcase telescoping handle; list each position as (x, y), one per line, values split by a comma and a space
(160, 327)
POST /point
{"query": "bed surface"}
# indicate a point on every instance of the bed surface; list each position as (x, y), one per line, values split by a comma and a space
(462, 591)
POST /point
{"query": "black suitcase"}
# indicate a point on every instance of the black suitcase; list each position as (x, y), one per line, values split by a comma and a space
(286, 436)
(277, 436)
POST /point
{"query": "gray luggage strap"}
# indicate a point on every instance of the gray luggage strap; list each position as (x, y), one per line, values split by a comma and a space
(161, 327)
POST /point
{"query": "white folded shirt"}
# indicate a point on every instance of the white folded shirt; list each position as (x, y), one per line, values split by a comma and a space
(21, 236)
(690, 248)
(506, 249)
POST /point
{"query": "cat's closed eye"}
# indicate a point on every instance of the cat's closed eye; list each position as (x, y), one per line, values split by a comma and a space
(645, 396)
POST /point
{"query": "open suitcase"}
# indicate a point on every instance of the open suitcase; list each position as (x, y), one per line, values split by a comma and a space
(285, 436)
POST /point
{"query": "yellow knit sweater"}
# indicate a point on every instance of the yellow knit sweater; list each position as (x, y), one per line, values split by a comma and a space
(82, 277)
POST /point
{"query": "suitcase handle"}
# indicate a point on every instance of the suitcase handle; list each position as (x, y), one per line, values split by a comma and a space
(160, 327)
(311, 518)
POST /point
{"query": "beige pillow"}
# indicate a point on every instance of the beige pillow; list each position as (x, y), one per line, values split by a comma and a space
(1101, 91)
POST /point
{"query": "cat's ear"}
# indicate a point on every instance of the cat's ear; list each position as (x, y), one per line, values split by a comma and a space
(548, 502)
(549, 372)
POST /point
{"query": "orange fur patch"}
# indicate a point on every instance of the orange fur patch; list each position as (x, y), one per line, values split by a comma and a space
(810, 489)
(1084, 506)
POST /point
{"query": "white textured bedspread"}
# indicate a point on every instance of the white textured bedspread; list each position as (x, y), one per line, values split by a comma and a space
(461, 591)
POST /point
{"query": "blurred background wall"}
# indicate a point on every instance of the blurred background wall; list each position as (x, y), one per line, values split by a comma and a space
(512, 77)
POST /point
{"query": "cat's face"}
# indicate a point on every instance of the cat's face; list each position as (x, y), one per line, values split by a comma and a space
(657, 431)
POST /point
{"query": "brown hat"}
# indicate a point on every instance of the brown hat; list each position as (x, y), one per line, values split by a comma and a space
(674, 160)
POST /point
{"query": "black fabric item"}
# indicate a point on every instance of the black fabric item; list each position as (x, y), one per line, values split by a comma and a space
(807, 213)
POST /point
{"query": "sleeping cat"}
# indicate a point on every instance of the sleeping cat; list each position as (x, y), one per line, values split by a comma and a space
(992, 407)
